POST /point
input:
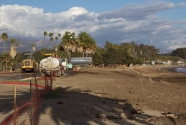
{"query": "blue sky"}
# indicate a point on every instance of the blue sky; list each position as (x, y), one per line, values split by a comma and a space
(105, 20)
(56, 6)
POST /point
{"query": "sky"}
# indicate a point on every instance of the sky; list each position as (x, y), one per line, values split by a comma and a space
(160, 23)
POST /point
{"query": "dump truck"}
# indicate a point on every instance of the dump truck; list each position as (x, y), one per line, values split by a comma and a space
(29, 63)
(51, 64)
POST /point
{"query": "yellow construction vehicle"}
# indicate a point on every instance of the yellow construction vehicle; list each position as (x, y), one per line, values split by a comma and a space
(29, 63)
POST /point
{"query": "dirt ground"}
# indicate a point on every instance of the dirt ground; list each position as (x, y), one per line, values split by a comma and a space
(115, 96)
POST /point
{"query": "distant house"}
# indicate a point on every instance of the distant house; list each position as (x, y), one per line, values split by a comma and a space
(169, 62)
(180, 63)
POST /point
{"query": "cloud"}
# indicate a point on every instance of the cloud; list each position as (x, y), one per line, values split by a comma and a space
(182, 4)
(132, 22)
(138, 11)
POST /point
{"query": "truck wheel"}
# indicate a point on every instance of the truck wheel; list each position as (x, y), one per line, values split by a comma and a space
(58, 73)
(22, 71)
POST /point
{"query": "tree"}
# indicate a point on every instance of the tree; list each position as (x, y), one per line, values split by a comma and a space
(56, 38)
(61, 52)
(56, 48)
(180, 52)
(59, 35)
(69, 43)
(98, 57)
(13, 51)
(14, 42)
(45, 34)
(5, 59)
(108, 45)
(4, 36)
(33, 47)
(51, 34)
(51, 38)
(86, 44)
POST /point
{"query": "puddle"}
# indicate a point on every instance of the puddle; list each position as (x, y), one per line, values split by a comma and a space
(27, 75)
(15, 77)
(70, 73)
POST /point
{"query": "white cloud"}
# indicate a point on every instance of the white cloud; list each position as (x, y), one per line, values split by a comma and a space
(133, 22)
(137, 11)
(182, 4)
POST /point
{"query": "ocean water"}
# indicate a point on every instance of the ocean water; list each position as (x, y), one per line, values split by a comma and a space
(181, 69)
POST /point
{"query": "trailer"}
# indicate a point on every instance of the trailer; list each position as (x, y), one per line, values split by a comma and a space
(77, 61)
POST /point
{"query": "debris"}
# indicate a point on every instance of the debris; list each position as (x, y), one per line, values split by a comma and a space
(108, 116)
(60, 102)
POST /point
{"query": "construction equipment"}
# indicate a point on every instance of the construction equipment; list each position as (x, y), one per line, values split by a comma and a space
(51, 63)
(29, 63)
(77, 62)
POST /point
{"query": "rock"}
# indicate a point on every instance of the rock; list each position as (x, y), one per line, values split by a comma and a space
(60, 102)
(146, 79)
(172, 116)
(120, 102)
(127, 116)
(149, 79)
(165, 82)
(139, 111)
(128, 108)
(164, 120)
(108, 116)
(117, 110)
(182, 117)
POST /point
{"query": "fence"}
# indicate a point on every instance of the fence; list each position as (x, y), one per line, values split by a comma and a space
(26, 112)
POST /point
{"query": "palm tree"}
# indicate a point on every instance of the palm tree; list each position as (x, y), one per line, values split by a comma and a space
(56, 38)
(33, 47)
(4, 36)
(6, 58)
(59, 34)
(45, 34)
(69, 43)
(51, 39)
(13, 51)
(86, 44)
(14, 42)
(51, 34)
